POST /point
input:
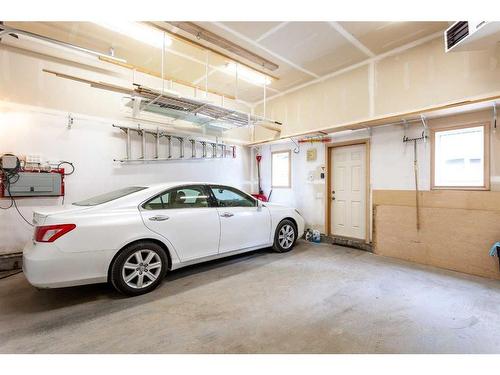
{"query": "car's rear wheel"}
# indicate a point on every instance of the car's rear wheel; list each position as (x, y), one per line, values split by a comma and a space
(139, 268)
(285, 236)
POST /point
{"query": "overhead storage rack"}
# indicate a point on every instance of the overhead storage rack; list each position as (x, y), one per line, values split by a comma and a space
(174, 105)
(192, 110)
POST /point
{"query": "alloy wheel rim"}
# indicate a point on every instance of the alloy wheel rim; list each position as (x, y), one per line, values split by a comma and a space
(141, 269)
(286, 236)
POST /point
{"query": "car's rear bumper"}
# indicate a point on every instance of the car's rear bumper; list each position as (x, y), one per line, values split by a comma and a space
(46, 266)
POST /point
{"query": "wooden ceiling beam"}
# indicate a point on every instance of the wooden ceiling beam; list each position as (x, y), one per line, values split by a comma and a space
(201, 33)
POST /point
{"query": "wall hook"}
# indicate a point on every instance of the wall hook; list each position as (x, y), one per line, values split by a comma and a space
(71, 120)
(296, 150)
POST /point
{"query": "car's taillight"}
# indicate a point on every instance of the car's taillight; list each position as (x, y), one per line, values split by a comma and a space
(50, 233)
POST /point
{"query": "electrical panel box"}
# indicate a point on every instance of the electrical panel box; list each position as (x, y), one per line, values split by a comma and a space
(32, 184)
(8, 162)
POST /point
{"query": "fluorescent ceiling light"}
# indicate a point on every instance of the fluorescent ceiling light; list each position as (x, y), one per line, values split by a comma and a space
(139, 32)
(247, 74)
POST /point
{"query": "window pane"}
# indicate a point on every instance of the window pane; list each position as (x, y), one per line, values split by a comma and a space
(186, 197)
(193, 196)
(280, 169)
(158, 203)
(108, 197)
(459, 157)
(228, 197)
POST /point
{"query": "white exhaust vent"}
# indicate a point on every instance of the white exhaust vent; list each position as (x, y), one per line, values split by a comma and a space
(470, 36)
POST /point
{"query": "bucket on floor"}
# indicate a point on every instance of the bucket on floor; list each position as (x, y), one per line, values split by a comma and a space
(316, 236)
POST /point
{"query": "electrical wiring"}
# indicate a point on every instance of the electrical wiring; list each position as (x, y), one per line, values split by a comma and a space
(8, 177)
(68, 163)
(11, 176)
(66, 174)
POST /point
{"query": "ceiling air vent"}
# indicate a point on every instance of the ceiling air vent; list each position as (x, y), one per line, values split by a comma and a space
(471, 36)
(456, 33)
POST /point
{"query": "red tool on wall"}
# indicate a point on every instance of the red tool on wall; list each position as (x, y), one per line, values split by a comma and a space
(260, 195)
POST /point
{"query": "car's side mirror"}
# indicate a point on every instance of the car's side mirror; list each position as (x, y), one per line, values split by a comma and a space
(259, 205)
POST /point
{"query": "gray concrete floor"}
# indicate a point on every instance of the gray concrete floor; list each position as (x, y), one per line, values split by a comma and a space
(315, 299)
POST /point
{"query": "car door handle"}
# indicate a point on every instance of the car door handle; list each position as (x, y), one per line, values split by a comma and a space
(159, 218)
(226, 214)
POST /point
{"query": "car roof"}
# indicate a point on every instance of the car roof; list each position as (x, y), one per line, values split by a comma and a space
(166, 185)
(152, 189)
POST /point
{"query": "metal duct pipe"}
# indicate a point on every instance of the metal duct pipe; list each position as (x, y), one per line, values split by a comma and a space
(8, 30)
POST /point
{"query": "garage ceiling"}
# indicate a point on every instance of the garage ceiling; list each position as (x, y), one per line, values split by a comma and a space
(308, 50)
(304, 51)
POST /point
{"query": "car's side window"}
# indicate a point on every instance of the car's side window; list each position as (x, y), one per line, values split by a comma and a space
(158, 203)
(187, 197)
(230, 197)
(182, 197)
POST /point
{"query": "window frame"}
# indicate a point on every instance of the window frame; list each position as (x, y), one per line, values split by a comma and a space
(486, 155)
(289, 185)
(207, 191)
(216, 201)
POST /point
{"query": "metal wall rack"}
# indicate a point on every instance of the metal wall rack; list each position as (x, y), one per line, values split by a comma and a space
(209, 149)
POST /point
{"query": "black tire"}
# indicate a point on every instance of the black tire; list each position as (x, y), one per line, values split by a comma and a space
(281, 245)
(119, 270)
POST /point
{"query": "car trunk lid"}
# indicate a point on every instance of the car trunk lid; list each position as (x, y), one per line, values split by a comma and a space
(40, 215)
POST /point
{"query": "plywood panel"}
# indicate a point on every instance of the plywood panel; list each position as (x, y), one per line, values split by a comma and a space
(453, 199)
(455, 239)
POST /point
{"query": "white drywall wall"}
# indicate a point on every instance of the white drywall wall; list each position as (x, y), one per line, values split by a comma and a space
(92, 144)
(23, 80)
(391, 168)
(34, 106)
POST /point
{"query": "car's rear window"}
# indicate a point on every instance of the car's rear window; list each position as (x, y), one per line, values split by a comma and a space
(108, 197)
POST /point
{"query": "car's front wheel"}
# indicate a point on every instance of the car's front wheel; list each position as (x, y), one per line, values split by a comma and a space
(139, 268)
(285, 236)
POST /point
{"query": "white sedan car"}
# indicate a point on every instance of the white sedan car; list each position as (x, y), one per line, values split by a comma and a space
(131, 237)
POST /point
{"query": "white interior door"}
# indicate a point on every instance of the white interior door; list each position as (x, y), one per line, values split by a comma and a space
(348, 184)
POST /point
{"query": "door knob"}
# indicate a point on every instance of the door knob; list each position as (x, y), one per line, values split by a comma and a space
(333, 195)
(159, 218)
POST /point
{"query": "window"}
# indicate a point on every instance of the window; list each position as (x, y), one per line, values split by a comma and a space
(280, 169)
(108, 197)
(183, 197)
(229, 197)
(459, 157)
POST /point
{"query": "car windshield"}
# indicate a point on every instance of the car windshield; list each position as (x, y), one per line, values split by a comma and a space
(108, 197)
